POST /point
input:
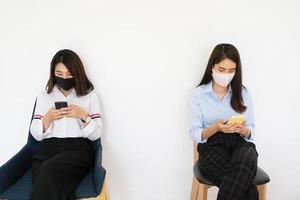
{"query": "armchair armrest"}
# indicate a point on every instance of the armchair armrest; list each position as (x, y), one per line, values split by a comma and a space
(14, 168)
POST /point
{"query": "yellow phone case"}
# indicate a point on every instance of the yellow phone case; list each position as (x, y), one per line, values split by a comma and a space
(239, 119)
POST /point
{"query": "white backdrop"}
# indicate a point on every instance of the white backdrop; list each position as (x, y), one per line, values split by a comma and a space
(144, 58)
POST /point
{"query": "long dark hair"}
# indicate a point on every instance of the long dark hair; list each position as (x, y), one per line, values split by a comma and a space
(73, 63)
(219, 53)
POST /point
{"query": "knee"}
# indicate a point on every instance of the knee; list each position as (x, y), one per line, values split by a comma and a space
(247, 156)
(251, 155)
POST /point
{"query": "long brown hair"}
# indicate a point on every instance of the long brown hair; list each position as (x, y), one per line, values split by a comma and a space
(219, 53)
(73, 63)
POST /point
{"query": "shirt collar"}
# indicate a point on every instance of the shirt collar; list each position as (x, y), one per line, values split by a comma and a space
(209, 89)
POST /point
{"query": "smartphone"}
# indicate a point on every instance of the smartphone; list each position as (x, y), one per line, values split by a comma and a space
(60, 104)
(239, 119)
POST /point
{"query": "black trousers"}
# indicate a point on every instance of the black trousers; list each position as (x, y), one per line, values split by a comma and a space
(58, 167)
(230, 162)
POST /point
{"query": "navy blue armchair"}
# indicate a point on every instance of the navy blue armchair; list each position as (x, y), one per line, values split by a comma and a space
(16, 174)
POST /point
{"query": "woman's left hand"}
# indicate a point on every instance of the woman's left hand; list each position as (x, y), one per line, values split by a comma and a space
(241, 129)
(75, 112)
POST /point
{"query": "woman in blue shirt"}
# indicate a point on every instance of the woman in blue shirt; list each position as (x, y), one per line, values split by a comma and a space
(227, 154)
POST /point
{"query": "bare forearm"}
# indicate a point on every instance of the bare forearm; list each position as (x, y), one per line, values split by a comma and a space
(209, 131)
(46, 124)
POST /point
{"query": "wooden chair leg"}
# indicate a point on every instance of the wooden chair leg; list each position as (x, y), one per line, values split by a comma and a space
(195, 189)
(101, 196)
(262, 190)
(202, 192)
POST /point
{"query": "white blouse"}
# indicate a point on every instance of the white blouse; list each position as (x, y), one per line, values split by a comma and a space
(67, 127)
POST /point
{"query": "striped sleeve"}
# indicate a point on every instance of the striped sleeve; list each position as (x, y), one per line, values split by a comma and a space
(93, 130)
(36, 128)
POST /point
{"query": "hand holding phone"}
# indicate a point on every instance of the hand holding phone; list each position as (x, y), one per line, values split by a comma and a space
(54, 114)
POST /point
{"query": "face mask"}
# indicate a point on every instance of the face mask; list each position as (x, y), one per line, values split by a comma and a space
(65, 84)
(222, 79)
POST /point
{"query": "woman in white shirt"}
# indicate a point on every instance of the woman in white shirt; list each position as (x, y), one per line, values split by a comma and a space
(67, 117)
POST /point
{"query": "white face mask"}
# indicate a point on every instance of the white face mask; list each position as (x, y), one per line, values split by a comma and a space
(222, 79)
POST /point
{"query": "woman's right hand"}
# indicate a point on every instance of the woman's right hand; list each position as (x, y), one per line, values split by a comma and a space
(51, 115)
(54, 114)
(218, 126)
(226, 128)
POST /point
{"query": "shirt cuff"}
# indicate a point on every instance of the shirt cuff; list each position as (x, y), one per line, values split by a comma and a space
(197, 136)
(89, 128)
(37, 129)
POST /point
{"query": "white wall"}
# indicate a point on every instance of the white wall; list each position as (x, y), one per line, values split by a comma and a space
(144, 58)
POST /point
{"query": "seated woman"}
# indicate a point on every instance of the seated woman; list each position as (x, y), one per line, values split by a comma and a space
(66, 118)
(227, 154)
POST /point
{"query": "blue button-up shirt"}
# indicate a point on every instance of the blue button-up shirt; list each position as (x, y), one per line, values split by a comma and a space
(207, 108)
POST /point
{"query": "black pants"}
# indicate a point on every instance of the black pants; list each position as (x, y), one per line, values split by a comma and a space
(58, 167)
(230, 162)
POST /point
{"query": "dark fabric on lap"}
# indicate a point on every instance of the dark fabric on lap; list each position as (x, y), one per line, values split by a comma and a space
(58, 167)
(230, 162)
